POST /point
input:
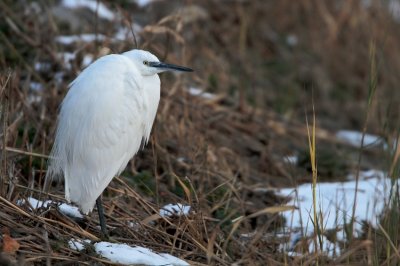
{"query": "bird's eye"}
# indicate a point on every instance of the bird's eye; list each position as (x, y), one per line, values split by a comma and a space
(145, 62)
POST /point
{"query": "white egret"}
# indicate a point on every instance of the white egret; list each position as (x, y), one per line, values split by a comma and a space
(104, 119)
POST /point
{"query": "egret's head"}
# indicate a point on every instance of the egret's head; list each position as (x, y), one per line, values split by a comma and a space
(148, 64)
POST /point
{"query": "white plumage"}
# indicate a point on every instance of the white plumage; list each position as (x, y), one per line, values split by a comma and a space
(107, 113)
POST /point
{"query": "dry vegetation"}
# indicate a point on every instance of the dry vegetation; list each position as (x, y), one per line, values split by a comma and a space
(265, 61)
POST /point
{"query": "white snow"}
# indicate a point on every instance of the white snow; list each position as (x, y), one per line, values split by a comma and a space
(199, 92)
(70, 210)
(354, 138)
(87, 60)
(59, 77)
(41, 66)
(125, 33)
(95, 6)
(77, 244)
(134, 225)
(182, 159)
(292, 40)
(121, 35)
(174, 209)
(335, 201)
(394, 9)
(63, 207)
(67, 57)
(127, 255)
(291, 159)
(85, 37)
(36, 86)
(34, 99)
(143, 3)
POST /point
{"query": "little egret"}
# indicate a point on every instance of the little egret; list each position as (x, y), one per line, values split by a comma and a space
(104, 119)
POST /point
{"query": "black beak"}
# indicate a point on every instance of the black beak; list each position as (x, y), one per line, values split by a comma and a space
(165, 66)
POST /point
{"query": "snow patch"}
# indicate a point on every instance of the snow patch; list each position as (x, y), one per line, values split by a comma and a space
(87, 60)
(64, 208)
(291, 159)
(95, 6)
(292, 40)
(36, 86)
(174, 209)
(42, 66)
(127, 255)
(77, 244)
(66, 58)
(354, 138)
(143, 3)
(199, 92)
(336, 199)
(394, 9)
(125, 33)
(86, 37)
(59, 77)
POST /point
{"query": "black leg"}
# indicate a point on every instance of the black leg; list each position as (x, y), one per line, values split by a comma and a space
(102, 218)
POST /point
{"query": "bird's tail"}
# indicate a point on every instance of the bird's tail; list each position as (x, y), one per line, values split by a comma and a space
(54, 169)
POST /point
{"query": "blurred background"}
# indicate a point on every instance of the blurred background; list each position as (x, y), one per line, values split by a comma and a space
(233, 130)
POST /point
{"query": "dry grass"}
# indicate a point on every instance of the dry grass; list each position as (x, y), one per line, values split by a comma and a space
(213, 154)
